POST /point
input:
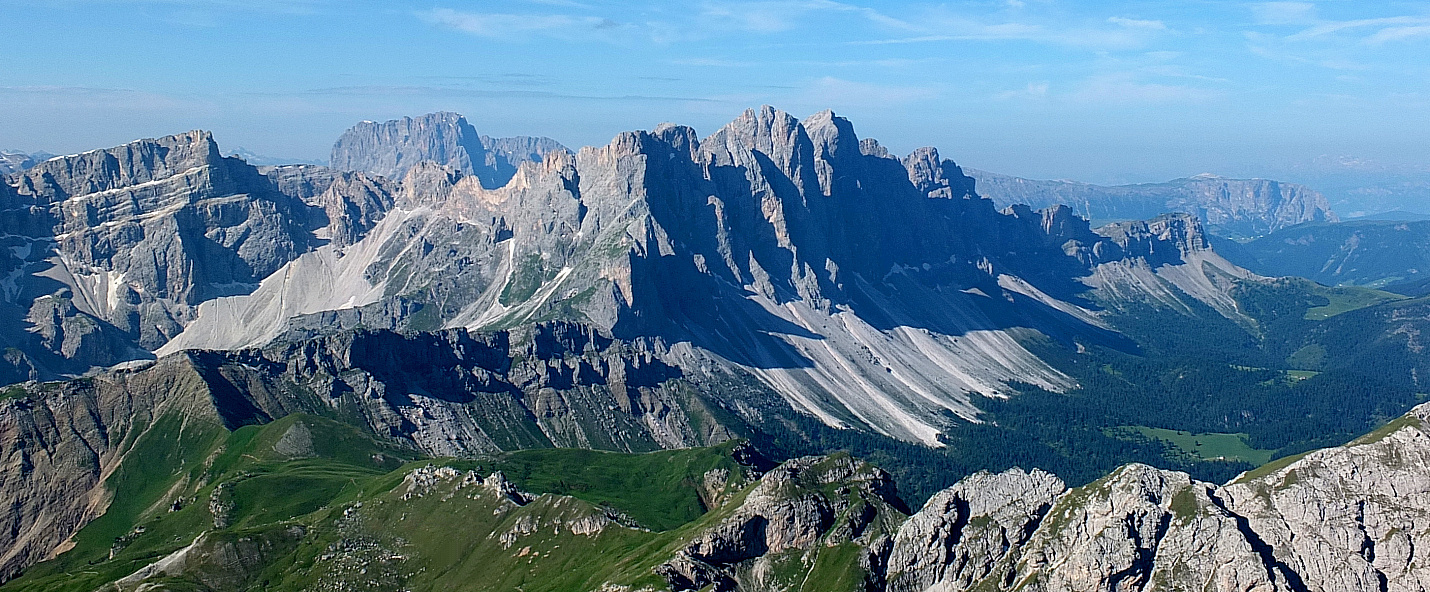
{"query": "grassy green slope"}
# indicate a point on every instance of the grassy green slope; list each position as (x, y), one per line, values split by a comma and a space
(659, 490)
(179, 475)
(306, 503)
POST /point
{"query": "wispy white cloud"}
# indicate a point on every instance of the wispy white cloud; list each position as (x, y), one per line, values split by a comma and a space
(1399, 33)
(1284, 13)
(1272, 49)
(1313, 26)
(659, 24)
(773, 16)
(1132, 23)
(837, 92)
(1342, 45)
(1379, 25)
(261, 6)
(1113, 89)
(942, 24)
(509, 26)
(562, 3)
(713, 63)
(1126, 88)
(1034, 90)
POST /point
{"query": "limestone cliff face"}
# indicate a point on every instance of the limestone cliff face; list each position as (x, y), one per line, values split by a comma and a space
(123, 243)
(840, 277)
(1346, 518)
(392, 148)
(454, 393)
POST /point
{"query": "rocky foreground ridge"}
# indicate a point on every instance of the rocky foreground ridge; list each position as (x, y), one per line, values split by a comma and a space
(1342, 519)
(1348, 518)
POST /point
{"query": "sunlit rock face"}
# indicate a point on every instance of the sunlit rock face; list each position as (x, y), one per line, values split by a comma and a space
(870, 291)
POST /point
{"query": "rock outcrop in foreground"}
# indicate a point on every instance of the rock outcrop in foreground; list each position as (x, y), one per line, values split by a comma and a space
(1344, 519)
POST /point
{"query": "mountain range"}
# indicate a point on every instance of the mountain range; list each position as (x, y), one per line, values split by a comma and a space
(14, 161)
(1236, 208)
(786, 250)
(217, 366)
(1387, 254)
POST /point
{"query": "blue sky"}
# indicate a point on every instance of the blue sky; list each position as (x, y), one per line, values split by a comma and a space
(1097, 91)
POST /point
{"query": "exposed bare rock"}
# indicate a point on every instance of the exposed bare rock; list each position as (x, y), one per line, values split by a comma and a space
(452, 393)
(391, 149)
(796, 508)
(964, 532)
(124, 242)
(867, 291)
(519, 149)
(1346, 518)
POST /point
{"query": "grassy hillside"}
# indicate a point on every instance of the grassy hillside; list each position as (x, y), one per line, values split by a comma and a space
(185, 478)
(305, 503)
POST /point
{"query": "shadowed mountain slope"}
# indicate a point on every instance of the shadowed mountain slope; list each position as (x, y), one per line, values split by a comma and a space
(869, 291)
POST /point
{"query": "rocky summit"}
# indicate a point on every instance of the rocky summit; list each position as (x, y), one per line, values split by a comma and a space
(391, 149)
(775, 357)
(110, 250)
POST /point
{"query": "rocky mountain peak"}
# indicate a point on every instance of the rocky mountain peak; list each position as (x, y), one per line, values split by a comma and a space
(392, 148)
(682, 139)
(872, 147)
(774, 135)
(833, 136)
(934, 177)
(1184, 231)
(834, 142)
(141, 161)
